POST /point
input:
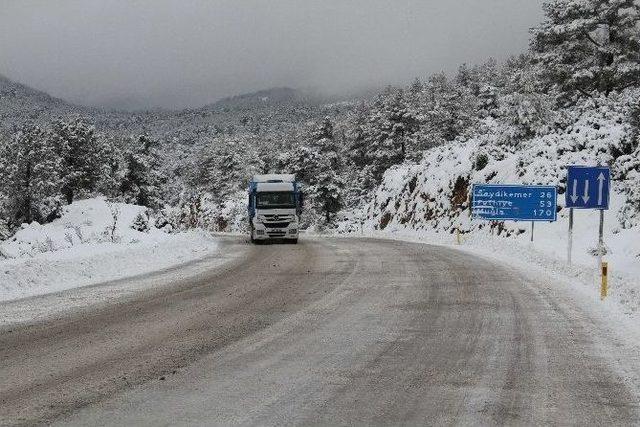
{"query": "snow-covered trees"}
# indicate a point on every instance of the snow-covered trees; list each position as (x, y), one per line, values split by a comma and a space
(588, 46)
(401, 123)
(41, 169)
(195, 161)
(522, 104)
(320, 167)
(220, 166)
(450, 108)
(29, 176)
(634, 122)
(142, 181)
(81, 156)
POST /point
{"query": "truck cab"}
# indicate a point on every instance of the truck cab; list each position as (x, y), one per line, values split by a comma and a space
(275, 205)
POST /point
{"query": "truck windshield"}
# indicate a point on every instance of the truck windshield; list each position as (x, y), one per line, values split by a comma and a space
(275, 199)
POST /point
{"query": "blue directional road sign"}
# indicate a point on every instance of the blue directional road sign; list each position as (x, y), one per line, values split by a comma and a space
(501, 202)
(587, 187)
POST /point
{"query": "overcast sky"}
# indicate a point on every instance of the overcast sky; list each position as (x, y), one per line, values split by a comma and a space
(172, 54)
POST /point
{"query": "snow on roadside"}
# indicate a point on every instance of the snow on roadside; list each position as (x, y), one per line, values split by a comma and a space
(83, 248)
(581, 277)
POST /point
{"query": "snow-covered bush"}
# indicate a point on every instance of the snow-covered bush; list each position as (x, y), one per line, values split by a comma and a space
(481, 161)
(141, 222)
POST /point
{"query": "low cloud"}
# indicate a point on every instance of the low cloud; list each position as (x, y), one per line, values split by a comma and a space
(174, 54)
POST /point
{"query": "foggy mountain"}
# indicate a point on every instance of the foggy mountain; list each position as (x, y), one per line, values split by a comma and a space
(20, 103)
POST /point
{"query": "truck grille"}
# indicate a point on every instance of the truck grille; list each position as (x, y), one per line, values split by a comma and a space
(279, 217)
(276, 233)
(276, 224)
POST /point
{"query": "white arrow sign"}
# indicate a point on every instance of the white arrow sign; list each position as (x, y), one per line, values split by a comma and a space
(574, 196)
(601, 180)
(586, 192)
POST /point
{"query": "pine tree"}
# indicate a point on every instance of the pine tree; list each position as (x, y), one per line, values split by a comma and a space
(415, 89)
(81, 155)
(112, 167)
(142, 182)
(384, 138)
(589, 46)
(634, 122)
(468, 77)
(29, 176)
(356, 135)
(221, 166)
(450, 108)
(321, 168)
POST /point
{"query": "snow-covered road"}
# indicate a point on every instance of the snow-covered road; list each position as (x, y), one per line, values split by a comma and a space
(330, 331)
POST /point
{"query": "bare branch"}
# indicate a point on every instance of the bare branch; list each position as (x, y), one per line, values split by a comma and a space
(588, 36)
(585, 93)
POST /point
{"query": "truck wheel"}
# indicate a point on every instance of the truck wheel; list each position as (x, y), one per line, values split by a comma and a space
(293, 241)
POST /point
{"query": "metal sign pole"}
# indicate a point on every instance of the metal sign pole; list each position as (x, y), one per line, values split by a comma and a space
(532, 224)
(601, 239)
(570, 246)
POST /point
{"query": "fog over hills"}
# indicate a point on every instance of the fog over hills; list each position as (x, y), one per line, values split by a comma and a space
(20, 103)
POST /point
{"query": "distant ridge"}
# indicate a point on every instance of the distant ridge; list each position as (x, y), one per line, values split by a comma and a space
(10, 88)
(285, 106)
(265, 98)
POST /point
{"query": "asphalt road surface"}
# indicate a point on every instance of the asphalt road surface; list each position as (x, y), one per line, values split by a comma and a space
(338, 331)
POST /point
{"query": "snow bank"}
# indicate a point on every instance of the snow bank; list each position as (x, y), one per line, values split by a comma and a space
(87, 246)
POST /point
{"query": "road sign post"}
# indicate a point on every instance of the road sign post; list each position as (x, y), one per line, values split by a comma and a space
(569, 249)
(532, 224)
(588, 188)
(604, 284)
(601, 239)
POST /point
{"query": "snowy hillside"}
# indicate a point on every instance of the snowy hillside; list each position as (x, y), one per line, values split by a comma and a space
(434, 192)
(19, 103)
(94, 241)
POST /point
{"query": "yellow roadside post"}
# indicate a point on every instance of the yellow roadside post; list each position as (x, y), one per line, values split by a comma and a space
(458, 235)
(604, 286)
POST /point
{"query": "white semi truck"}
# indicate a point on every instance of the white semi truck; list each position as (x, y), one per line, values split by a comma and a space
(275, 205)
